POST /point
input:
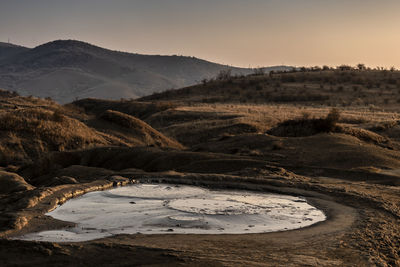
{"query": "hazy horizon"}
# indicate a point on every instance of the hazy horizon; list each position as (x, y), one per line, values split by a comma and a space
(240, 33)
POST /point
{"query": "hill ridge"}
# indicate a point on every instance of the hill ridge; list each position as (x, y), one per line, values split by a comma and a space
(66, 70)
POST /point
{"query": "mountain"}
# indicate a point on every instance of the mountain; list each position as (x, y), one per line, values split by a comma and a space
(66, 70)
(8, 50)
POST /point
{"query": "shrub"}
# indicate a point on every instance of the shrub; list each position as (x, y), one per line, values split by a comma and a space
(259, 72)
(224, 75)
(333, 116)
(305, 126)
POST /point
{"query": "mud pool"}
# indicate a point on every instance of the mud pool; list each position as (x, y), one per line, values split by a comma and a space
(177, 209)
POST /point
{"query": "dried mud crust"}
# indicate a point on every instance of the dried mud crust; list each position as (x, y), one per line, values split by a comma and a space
(361, 230)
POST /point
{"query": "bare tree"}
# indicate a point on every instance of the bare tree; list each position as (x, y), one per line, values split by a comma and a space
(361, 66)
(344, 67)
(259, 71)
(224, 75)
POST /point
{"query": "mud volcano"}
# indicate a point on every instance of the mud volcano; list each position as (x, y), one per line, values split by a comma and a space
(177, 209)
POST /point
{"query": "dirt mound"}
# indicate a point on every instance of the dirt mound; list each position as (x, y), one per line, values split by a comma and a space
(306, 127)
(72, 175)
(29, 132)
(134, 108)
(337, 151)
(139, 130)
(31, 127)
(326, 150)
(332, 150)
(191, 134)
(221, 166)
(149, 159)
(310, 127)
(11, 182)
(191, 127)
(301, 127)
(102, 160)
(389, 129)
(367, 136)
(242, 144)
(173, 117)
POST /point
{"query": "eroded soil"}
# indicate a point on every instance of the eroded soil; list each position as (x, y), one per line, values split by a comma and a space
(352, 175)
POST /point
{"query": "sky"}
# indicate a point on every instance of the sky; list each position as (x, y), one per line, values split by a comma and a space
(246, 33)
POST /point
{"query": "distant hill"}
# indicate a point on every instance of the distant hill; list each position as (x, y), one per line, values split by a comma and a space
(9, 50)
(66, 70)
(332, 87)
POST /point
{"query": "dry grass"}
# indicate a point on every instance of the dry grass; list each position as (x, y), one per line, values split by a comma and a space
(50, 126)
(271, 114)
(134, 108)
(30, 127)
(306, 126)
(29, 132)
(333, 88)
(138, 130)
(193, 124)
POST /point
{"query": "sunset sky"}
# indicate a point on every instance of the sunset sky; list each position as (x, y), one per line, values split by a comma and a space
(235, 32)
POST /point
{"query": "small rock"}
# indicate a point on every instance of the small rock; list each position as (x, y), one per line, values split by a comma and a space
(119, 180)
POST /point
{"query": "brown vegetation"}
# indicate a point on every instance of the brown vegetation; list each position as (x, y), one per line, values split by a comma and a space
(11, 183)
(137, 109)
(305, 126)
(31, 127)
(28, 133)
(344, 159)
(316, 86)
(139, 130)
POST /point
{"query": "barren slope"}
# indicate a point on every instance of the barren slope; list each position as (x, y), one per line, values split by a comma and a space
(66, 70)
